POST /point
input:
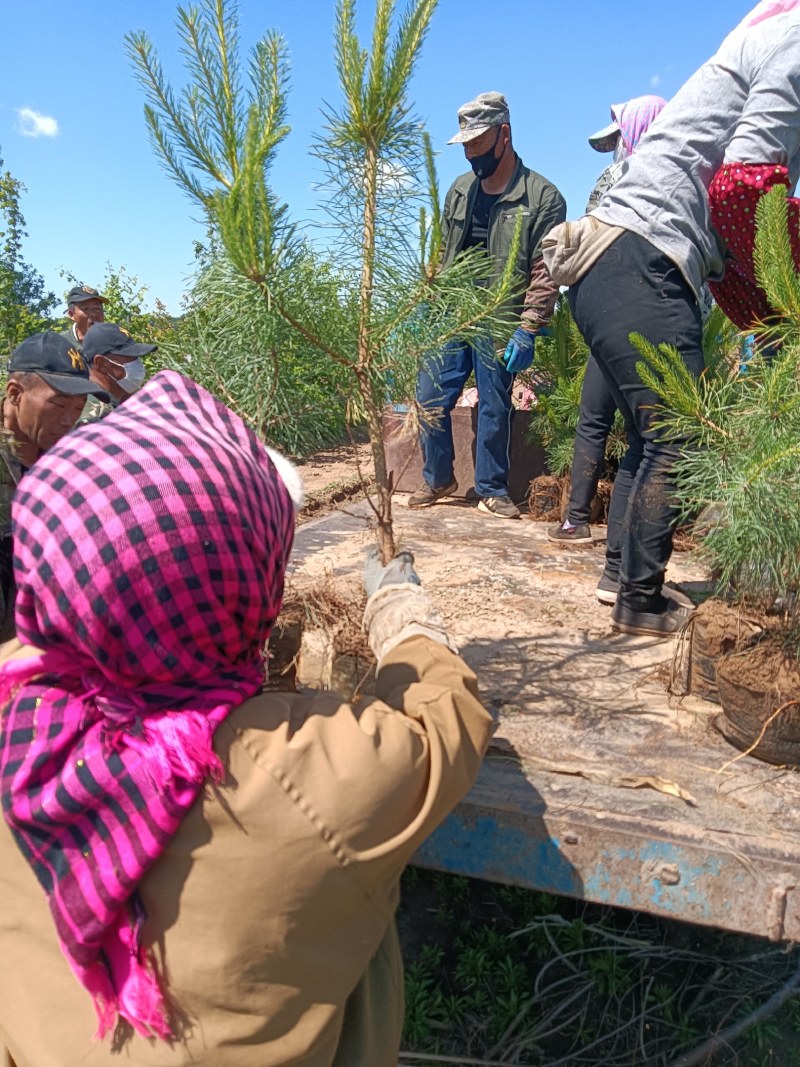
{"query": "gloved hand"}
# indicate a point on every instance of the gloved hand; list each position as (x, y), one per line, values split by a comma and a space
(398, 608)
(519, 351)
(396, 571)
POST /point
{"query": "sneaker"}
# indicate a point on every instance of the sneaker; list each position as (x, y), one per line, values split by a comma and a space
(607, 589)
(427, 495)
(502, 507)
(581, 532)
(661, 624)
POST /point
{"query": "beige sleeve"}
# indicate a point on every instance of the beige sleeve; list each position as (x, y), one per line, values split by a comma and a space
(540, 297)
(377, 778)
(14, 649)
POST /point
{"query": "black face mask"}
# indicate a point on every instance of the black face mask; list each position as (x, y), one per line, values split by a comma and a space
(484, 165)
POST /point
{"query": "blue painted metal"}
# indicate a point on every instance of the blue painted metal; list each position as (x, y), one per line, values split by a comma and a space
(504, 832)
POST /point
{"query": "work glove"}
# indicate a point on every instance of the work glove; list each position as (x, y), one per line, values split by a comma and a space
(398, 608)
(397, 571)
(519, 351)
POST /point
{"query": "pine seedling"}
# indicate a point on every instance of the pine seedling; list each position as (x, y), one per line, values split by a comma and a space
(385, 307)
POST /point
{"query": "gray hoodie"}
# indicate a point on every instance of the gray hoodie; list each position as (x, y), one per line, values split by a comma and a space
(742, 106)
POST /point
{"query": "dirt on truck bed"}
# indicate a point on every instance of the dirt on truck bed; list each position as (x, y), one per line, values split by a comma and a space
(599, 784)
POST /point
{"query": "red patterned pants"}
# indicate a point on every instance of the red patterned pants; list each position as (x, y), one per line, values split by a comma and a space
(732, 198)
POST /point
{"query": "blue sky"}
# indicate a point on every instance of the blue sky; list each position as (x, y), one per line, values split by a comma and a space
(96, 193)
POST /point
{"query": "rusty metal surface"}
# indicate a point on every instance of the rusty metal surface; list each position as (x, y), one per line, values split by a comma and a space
(404, 457)
(563, 802)
(522, 826)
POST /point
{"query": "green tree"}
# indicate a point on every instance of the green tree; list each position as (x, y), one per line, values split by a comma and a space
(744, 467)
(25, 304)
(384, 306)
(230, 342)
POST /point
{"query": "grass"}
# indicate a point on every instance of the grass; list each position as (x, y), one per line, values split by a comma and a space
(498, 974)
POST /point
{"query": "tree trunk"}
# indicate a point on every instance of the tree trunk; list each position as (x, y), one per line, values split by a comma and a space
(383, 488)
(366, 356)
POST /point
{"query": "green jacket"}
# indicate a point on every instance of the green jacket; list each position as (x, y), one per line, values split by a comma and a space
(72, 336)
(542, 207)
(94, 409)
(10, 474)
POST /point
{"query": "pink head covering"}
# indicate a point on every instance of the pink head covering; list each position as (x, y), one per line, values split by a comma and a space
(629, 122)
(635, 116)
(766, 9)
(150, 551)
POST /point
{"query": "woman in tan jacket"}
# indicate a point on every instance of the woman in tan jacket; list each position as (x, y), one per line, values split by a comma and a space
(217, 868)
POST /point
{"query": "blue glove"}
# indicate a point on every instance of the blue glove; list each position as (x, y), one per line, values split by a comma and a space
(400, 569)
(519, 351)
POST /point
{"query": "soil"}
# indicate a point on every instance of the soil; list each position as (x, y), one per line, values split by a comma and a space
(334, 605)
(766, 667)
(724, 627)
(334, 476)
(548, 499)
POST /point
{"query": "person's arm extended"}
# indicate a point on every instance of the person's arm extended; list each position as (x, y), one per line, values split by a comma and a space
(769, 128)
(435, 688)
(383, 773)
(542, 292)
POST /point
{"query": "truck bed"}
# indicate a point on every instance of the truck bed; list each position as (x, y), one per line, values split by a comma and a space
(598, 784)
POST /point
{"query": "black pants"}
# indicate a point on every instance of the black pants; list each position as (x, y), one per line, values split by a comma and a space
(596, 418)
(634, 288)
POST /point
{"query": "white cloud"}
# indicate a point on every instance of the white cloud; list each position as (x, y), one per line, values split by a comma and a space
(33, 124)
(655, 81)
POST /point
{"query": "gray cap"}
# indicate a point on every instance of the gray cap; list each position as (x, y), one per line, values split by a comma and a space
(479, 115)
(605, 140)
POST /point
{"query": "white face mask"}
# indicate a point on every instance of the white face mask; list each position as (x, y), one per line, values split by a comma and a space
(134, 375)
(620, 151)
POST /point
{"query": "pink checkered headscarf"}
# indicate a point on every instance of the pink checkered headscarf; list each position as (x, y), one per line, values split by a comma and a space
(150, 551)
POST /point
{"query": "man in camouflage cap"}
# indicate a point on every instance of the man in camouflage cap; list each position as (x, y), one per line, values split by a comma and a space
(482, 208)
(85, 306)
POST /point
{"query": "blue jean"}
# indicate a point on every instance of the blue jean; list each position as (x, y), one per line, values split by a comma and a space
(635, 288)
(439, 386)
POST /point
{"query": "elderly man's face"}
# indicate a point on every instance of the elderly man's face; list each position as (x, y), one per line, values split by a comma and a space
(84, 314)
(41, 415)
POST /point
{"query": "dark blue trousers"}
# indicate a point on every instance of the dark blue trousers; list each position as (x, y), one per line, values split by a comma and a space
(439, 386)
(635, 288)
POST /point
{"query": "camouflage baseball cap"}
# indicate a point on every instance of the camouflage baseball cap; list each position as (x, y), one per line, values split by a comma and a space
(79, 293)
(479, 115)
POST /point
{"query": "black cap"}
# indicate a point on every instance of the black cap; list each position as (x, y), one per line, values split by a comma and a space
(108, 339)
(54, 357)
(84, 292)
